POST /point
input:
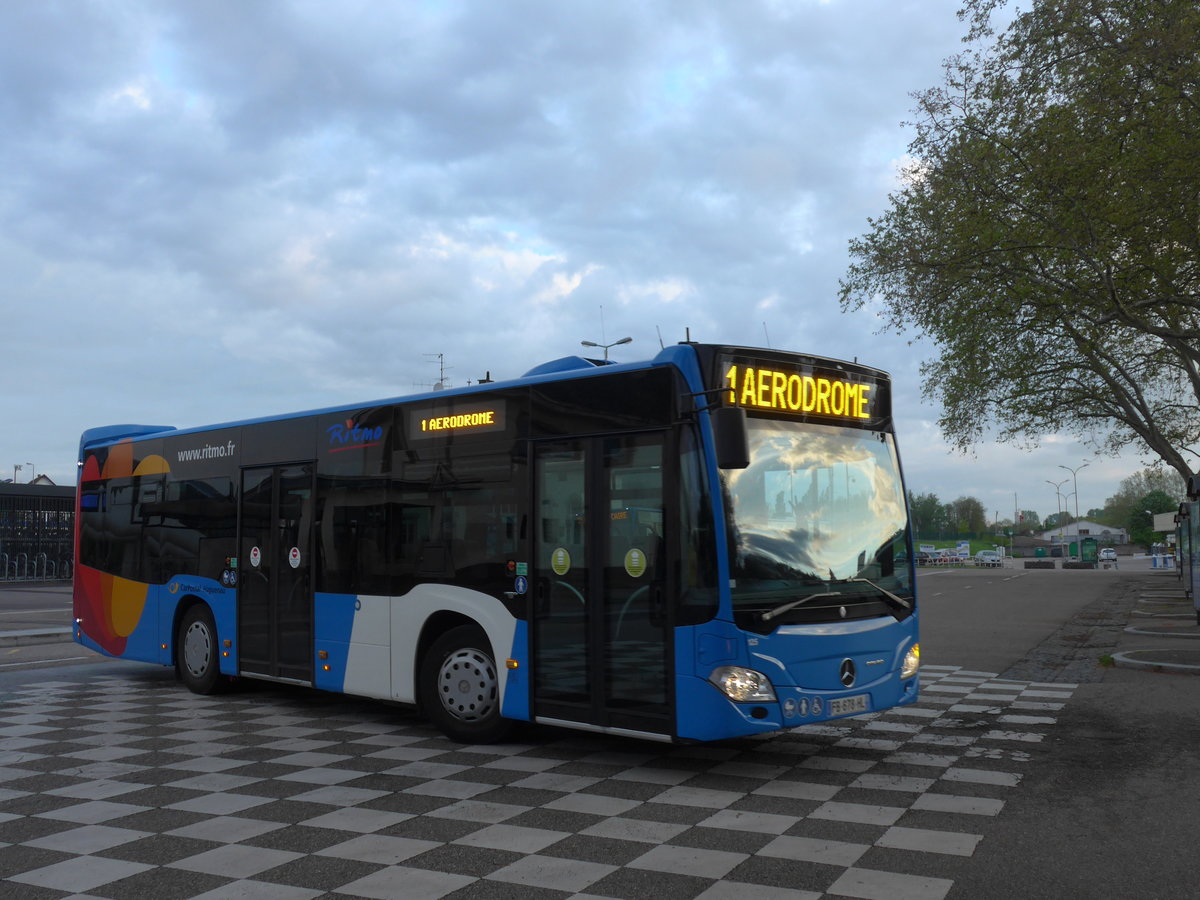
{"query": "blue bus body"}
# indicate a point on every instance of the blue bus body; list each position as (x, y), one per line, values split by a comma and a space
(564, 547)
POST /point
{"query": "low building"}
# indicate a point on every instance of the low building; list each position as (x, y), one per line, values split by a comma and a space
(1105, 535)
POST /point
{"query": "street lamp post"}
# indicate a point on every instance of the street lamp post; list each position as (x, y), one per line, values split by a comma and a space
(1058, 506)
(1075, 485)
(624, 340)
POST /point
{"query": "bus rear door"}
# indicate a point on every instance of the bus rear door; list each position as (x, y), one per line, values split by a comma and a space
(275, 588)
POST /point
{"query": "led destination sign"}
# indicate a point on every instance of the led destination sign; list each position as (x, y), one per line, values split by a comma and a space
(442, 422)
(771, 387)
(485, 418)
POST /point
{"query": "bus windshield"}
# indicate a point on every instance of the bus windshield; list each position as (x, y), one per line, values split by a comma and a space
(819, 510)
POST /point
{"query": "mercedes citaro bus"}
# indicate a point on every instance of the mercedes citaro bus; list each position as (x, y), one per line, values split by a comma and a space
(708, 544)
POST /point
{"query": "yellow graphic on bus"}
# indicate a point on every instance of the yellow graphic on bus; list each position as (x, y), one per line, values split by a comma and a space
(635, 563)
(560, 561)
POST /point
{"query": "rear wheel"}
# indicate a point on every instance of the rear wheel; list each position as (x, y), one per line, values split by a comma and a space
(460, 687)
(197, 658)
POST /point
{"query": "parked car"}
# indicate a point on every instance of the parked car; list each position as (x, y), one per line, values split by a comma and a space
(988, 558)
(1108, 554)
(924, 558)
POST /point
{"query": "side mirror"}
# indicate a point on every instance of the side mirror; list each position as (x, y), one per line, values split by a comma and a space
(730, 437)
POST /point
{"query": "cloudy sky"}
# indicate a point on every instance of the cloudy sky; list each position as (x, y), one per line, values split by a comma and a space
(211, 211)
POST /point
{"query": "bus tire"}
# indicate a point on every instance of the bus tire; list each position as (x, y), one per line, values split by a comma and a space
(460, 687)
(197, 653)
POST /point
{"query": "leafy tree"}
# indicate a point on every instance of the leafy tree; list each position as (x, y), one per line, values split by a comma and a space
(966, 516)
(928, 514)
(1057, 520)
(1130, 495)
(1141, 519)
(1030, 521)
(1045, 234)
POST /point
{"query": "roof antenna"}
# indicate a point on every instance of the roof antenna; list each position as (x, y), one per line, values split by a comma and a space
(661, 345)
(766, 336)
(441, 361)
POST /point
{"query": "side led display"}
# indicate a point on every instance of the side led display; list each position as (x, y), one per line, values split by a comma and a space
(428, 422)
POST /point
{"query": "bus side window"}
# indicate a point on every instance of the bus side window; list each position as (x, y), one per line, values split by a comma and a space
(354, 522)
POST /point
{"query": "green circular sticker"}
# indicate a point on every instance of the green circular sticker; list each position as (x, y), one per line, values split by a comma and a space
(560, 561)
(635, 563)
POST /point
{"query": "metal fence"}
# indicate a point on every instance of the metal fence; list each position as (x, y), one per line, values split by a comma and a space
(36, 532)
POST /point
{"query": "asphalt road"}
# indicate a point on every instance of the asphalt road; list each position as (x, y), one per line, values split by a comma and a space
(992, 619)
(24, 606)
(1107, 803)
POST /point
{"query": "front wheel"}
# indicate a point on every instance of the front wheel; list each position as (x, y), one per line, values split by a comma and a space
(197, 657)
(460, 687)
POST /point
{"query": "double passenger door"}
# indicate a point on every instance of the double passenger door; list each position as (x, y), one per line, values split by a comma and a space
(275, 587)
(601, 624)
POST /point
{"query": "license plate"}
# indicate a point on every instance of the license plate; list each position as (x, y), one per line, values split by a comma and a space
(847, 706)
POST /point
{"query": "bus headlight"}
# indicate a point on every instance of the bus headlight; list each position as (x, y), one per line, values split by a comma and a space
(912, 662)
(743, 685)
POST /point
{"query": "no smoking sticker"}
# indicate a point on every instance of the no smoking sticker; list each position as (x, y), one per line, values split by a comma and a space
(294, 558)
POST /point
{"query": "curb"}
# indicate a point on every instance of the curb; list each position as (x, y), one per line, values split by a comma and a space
(1146, 659)
(1166, 631)
(35, 636)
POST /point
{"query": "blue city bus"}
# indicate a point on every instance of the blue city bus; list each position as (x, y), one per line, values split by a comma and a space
(709, 544)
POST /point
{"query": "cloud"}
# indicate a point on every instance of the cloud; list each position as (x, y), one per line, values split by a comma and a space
(241, 209)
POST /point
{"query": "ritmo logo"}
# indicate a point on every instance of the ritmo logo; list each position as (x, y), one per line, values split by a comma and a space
(348, 436)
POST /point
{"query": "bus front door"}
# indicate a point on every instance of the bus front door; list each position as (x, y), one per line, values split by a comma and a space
(275, 590)
(600, 622)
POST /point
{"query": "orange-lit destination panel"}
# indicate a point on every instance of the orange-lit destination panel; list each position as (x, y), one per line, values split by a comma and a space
(441, 421)
(483, 419)
(774, 386)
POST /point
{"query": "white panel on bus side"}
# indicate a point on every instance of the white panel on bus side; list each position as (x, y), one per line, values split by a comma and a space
(369, 663)
(410, 612)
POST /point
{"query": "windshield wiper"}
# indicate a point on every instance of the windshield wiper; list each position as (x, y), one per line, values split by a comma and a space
(897, 603)
(780, 610)
(893, 600)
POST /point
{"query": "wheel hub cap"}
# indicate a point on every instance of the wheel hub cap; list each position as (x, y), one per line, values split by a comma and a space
(467, 685)
(197, 649)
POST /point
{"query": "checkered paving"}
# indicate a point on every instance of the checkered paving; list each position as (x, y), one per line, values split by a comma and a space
(132, 787)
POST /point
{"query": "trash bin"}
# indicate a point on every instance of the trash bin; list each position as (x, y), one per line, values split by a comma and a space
(1040, 552)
